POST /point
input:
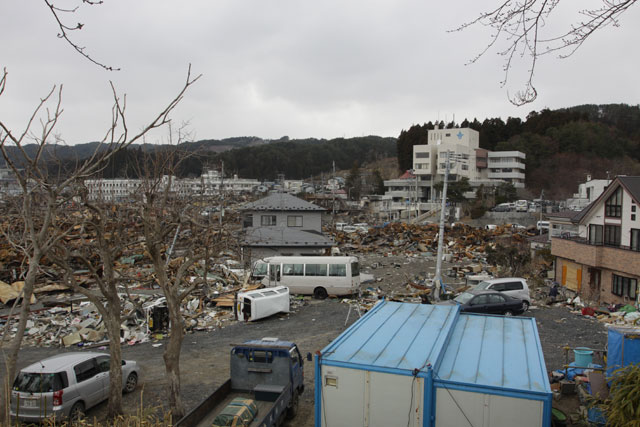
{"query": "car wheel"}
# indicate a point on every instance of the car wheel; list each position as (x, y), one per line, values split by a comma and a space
(508, 313)
(525, 306)
(292, 410)
(132, 383)
(320, 293)
(77, 412)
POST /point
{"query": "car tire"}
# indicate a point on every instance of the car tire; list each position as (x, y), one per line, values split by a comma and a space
(131, 383)
(508, 313)
(525, 306)
(320, 293)
(292, 410)
(76, 413)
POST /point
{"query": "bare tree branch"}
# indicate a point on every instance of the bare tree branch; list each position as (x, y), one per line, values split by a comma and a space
(519, 24)
(66, 29)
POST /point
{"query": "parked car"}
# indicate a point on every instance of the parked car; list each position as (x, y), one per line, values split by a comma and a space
(349, 229)
(66, 385)
(488, 302)
(513, 286)
(502, 207)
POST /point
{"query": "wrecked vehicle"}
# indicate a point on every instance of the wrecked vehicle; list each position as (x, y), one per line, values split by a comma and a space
(267, 376)
(261, 303)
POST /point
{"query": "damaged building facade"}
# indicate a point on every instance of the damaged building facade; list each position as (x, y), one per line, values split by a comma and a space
(602, 262)
(282, 224)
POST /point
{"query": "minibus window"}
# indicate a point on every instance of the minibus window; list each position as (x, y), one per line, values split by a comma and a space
(316, 270)
(293, 270)
(338, 270)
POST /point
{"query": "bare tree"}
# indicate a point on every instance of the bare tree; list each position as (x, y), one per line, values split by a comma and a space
(520, 24)
(43, 194)
(100, 243)
(171, 222)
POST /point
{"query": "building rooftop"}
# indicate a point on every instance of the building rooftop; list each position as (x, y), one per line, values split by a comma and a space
(281, 202)
(284, 236)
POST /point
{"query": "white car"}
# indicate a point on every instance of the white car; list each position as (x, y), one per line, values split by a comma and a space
(513, 286)
(66, 385)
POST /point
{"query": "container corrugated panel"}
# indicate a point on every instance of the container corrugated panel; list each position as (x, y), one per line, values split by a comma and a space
(495, 351)
(395, 336)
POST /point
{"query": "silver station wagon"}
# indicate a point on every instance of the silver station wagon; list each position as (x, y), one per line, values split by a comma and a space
(66, 385)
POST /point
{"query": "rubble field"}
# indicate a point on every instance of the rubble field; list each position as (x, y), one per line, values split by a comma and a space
(397, 262)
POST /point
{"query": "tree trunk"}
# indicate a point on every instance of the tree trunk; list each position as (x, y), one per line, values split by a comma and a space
(172, 357)
(14, 347)
(114, 407)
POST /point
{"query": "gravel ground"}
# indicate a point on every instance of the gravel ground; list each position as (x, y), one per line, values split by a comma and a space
(312, 325)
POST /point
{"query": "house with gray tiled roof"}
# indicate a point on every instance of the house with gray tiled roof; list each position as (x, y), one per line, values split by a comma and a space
(602, 262)
(282, 224)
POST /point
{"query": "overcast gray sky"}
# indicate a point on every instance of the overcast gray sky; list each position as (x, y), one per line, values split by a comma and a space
(320, 69)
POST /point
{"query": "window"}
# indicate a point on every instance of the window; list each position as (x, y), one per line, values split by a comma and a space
(513, 286)
(624, 286)
(465, 167)
(32, 382)
(267, 220)
(355, 269)
(612, 235)
(85, 370)
(633, 208)
(633, 217)
(595, 234)
(338, 270)
(247, 221)
(316, 270)
(293, 269)
(294, 221)
(613, 205)
(499, 287)
(635, 239)
(103, 363)
(422, 155)
(480, 299)
(260, 356)
(496, 299)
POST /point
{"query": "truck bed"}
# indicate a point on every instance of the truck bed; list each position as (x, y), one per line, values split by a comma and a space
(263, 409)
(208, 410)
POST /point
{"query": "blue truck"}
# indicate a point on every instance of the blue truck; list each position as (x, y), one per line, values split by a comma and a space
(268, 373)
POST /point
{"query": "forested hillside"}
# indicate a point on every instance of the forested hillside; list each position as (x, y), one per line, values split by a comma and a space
(562, 146)
(295, 159)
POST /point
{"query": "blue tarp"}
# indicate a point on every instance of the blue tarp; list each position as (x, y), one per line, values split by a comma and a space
(623, 348)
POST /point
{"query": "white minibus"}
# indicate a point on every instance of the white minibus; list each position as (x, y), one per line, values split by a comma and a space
(319, 276)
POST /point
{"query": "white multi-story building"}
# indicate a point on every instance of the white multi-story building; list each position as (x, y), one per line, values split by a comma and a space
(210, 183)
(507, 166)
(468, 160)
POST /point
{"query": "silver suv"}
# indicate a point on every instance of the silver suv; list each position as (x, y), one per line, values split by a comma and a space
(513, 286)
(66, 385)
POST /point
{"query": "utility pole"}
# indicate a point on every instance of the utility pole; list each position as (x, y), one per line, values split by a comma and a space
(437, 280)
(333, 196)
(221, 213)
